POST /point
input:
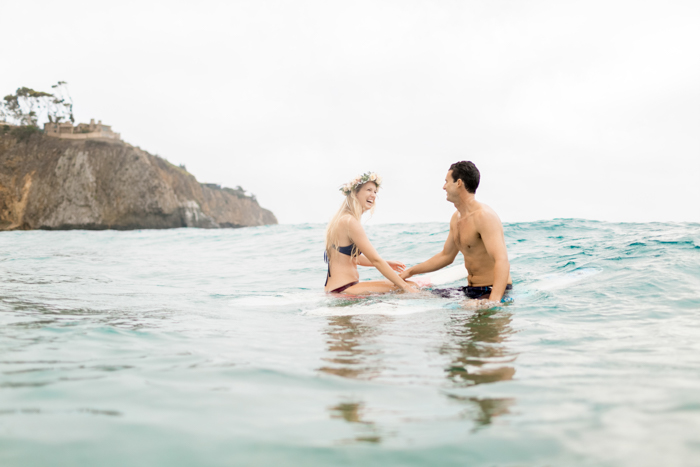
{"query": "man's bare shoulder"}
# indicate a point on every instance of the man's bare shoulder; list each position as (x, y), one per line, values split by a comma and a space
(454, 219)
(485, 216)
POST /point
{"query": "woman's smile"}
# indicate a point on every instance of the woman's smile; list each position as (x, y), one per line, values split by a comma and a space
(367, 195)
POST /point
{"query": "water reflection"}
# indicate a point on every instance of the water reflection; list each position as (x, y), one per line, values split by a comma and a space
(482, 411)
(476, 347)
(353, 412)
(353, 353)
(474, 344)
(351, 347)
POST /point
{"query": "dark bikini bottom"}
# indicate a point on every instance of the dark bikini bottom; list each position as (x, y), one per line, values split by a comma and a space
(342, 289)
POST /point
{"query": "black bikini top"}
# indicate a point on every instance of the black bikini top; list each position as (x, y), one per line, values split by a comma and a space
(347, 250)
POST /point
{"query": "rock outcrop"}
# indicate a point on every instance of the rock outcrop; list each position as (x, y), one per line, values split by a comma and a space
(50, 183)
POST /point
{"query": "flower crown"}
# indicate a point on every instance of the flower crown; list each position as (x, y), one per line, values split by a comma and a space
(361, 180)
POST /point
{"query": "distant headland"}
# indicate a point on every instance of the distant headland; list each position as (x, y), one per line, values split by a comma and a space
(86, 177)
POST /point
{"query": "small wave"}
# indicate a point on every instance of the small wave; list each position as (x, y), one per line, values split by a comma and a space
(558, 281)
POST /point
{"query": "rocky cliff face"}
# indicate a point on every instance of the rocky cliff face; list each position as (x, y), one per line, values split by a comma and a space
(50, 183)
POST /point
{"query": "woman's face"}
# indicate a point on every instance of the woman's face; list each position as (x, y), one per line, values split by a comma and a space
(367, 195)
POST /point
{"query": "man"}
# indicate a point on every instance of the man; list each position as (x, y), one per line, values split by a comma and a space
(477, 232)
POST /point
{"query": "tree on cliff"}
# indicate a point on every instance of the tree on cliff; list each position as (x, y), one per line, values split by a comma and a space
(27, 106)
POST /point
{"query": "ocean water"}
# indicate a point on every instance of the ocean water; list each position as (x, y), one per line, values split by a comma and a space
(218, 348)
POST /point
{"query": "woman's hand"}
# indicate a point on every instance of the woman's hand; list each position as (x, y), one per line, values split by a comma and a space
(411, 288)
(397, 266)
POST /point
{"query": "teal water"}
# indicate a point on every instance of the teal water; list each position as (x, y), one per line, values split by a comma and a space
(218, 348)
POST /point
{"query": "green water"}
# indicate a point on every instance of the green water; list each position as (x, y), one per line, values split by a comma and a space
(198, 347)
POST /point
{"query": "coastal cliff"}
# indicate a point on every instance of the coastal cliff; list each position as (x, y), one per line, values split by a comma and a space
(52, 183)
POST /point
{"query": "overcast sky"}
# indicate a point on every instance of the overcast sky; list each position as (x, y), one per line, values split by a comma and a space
(585, 109)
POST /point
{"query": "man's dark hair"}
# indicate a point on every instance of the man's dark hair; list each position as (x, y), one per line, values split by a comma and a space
(468, 173)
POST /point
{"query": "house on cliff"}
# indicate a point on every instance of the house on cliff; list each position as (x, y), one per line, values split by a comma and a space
(90, 130)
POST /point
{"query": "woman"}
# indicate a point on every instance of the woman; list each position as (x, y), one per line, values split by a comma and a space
(347, 244)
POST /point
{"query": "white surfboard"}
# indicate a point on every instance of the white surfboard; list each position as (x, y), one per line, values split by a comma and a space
(440, 277)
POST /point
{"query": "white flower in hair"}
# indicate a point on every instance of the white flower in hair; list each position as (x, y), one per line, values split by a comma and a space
(361, 180)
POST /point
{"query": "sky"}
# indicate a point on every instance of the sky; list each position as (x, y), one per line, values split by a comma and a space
(570, 109)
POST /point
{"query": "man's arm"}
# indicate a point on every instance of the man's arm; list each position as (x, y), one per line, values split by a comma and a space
(440, 260)
(489, 226)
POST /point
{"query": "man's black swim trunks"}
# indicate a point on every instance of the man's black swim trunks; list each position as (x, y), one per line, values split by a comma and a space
(479, 293)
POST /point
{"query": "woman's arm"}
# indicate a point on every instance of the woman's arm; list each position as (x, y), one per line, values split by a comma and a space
(397, 266)
(359, 238)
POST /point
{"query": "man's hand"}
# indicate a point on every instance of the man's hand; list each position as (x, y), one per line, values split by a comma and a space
(397, 266)
(406, 273)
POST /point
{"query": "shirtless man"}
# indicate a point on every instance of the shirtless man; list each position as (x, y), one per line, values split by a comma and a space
(477, 232)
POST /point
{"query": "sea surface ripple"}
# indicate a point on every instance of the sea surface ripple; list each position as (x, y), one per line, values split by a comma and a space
(218, 347)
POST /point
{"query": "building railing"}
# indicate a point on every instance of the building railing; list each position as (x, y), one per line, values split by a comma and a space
(92, 135)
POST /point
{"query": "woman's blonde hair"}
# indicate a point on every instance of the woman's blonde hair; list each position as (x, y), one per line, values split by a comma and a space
(351, 205)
